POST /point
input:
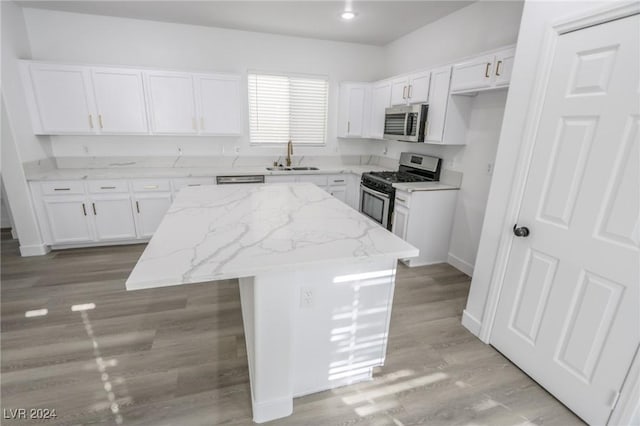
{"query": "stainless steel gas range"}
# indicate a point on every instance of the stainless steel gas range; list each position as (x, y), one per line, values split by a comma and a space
(377, 193)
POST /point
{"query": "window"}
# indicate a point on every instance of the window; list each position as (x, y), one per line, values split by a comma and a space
(283, 108)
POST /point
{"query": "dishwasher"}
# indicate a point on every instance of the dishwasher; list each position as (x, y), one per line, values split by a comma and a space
(225, 180)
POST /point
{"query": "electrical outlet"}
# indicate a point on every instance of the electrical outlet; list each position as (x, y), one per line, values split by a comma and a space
(306, 297)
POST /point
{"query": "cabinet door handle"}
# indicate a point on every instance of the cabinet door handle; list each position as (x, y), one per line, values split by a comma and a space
(100, 120)
(62, 189)
(84, 209)
(404, 92)
(486, 70)
(409, 91)
(137, 207)
(151, 187)
(95, 213)
(194, 184)
(340, 180)
(402, 200)
(498, 68)
(90, 121)
(348, 127)
(107, 187)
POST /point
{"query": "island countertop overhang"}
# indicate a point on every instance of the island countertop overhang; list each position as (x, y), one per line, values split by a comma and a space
(221, 232)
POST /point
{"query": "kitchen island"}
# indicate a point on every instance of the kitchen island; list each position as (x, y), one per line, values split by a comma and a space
(316, 281)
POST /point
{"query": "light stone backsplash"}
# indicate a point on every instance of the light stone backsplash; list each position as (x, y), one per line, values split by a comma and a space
(216, 162)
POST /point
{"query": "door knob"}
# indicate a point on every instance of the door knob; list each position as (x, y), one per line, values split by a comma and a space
(521, 231)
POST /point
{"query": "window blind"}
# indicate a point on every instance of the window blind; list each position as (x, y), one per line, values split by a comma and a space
(283, 108)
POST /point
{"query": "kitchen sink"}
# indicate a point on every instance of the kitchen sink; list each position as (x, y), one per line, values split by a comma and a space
(290, 169)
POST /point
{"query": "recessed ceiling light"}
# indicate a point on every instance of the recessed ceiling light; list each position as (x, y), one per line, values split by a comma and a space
(348, 15)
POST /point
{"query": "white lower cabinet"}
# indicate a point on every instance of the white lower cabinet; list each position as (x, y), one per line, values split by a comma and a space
(425, 219)
(150, 208)
(67, 219)
(76, 213)
(113, 217)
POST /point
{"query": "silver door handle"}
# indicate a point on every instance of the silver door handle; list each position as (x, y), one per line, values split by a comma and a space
(371, 191)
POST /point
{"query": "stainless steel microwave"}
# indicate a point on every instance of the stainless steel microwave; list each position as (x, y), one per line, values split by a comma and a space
(405, 123)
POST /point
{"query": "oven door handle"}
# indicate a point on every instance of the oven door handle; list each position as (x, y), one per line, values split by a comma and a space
(372, 191)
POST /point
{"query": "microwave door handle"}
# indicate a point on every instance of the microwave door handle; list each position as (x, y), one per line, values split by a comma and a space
(406, 119)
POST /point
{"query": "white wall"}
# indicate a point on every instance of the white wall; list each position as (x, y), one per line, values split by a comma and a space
(481, 26)
(18, 142)
(15, 45)
(76, 38)
(536, 17)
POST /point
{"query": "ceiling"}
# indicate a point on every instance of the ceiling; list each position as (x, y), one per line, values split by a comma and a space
(376, 23)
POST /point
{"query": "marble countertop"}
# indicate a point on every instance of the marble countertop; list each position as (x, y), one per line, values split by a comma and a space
(178, 172)
(220, 232)
(425, 186)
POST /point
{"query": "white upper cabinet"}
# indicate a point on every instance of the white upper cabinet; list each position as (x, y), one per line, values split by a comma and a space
(504, 66)
(399, 91)
(418, 89)
(172, 105)
(219, 105)
(411, 89)
(380, 100)
(473, 74)
(354, 110)
(438, 102)
(483, 73)
(85, 100)
(120, 103)
(60, 99)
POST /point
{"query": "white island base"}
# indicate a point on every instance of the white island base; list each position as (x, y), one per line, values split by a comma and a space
(314, 329)
(316, 281)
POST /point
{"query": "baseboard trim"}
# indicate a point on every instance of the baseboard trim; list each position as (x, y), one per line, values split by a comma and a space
(460, 264)
(471, 323)
(34, 250)
(273, 409)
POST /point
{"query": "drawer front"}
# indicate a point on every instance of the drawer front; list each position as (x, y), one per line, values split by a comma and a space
(62, 187)
(178, 184)
(337, 180)
(107, 186)
(320, 180)
(151, 185)
(403, 199)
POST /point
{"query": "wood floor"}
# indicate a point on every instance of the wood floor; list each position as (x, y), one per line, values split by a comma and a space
(176, 356)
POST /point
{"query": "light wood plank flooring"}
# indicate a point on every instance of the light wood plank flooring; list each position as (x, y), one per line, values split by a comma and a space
(176, 356)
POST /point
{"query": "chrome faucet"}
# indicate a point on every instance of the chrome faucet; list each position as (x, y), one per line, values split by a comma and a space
(289, 152)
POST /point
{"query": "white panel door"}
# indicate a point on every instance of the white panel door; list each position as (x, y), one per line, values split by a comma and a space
(171, 102)
(503, 68)
(381, 100)
(68, 219)
(355, 111)
(474, 74)
(438, 99)
(113, 217)
(340, 192)
(399, 88)
(150, 210)
(400, 221)
(219, 106)
(418, 90)
(568, 313)
(63, 99)
(119, 96)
